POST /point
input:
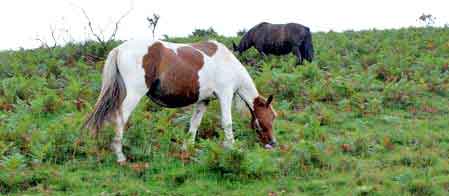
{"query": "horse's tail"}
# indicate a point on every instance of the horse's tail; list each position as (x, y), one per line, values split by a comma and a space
(307, 50)
(113, 92)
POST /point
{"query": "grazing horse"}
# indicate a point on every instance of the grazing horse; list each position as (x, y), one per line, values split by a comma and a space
(178, 75)
(279, 39)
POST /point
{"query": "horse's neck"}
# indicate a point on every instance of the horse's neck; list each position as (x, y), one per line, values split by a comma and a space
(245, 43)
(248, 91)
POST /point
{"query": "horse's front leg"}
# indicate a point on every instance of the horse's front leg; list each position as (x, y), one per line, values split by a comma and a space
(225, 99)
(259, 49)
(195, 121)
(263, 54)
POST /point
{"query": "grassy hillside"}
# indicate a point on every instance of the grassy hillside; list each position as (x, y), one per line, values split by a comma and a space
(370, 116)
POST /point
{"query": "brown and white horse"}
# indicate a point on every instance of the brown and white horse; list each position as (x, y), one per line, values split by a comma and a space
(177, 75)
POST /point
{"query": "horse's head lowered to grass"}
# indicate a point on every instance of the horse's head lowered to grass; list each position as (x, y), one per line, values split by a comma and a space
(262, 121)
(177, 75)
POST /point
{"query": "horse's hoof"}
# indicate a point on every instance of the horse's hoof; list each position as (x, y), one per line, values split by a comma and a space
(228, 144)
(122, 162)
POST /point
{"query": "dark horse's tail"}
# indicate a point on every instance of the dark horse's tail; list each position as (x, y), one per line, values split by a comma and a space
(306, 48)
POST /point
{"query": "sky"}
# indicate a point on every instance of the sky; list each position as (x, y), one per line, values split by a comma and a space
(23, 22)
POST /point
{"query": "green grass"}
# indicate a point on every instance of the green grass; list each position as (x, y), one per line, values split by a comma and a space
(370, 116)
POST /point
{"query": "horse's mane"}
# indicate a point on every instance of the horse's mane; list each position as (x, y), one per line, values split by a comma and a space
(247, 40)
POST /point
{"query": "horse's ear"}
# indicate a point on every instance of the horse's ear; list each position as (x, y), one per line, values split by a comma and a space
(269, 100)
(234, 47)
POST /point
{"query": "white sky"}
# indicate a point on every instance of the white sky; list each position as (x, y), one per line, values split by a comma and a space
(22, 21)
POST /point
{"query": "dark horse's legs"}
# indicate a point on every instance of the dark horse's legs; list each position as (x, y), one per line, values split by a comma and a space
(263, 54)
(297, 53)
(259, 49)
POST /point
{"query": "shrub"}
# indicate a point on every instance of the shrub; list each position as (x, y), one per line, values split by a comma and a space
(420, 187)
(204, 32)
(237, 163)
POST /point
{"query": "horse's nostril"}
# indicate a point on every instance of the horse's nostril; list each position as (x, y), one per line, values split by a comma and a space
(272, 143)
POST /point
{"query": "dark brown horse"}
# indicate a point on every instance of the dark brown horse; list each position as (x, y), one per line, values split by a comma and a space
(279, 39)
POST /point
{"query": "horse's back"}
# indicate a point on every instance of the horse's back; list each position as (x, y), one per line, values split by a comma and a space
(175, 75)
(171, 73)
(129, 63)
(278, 39)
(296, 28)
(272, 38)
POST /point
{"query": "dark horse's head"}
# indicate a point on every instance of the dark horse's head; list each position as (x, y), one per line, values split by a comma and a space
(236, 48)
(306, 47)
(242, 47)
(245, 43)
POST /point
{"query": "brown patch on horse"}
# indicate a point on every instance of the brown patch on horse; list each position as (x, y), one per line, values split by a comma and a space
(151, 62)
(172, 77)
(208, 48)
(265, 115)
(191, 56)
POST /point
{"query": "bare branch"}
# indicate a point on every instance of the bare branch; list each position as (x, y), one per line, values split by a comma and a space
(43, 43)
(53, 36)
(89, 24)
(427, 19)
(153, 23)
(114, 33)
(100, 35)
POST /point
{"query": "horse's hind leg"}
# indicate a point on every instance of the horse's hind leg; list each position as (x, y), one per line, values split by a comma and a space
(128, 105)
(297, 53)
(195, 121)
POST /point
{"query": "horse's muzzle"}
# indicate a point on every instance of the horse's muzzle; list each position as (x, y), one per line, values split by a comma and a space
(270, 145)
